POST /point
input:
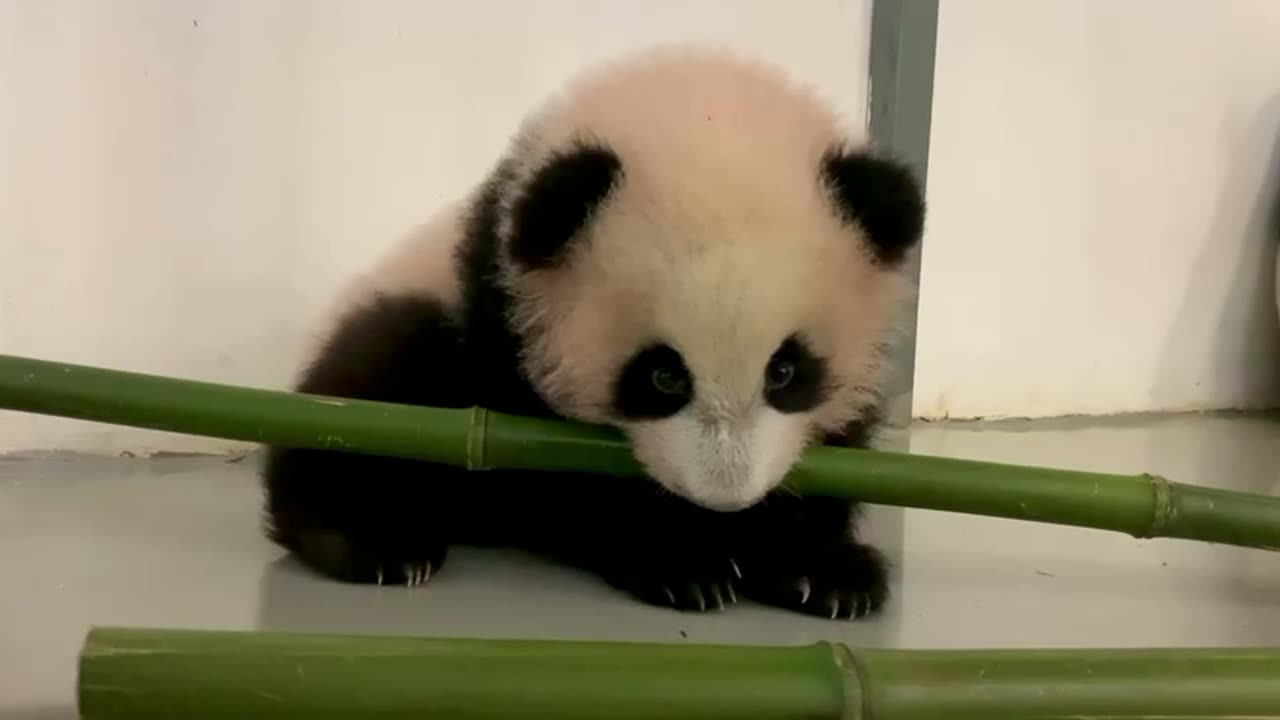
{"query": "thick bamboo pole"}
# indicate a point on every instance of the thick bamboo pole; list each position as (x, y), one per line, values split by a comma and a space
(135, 674)
(1139, 505)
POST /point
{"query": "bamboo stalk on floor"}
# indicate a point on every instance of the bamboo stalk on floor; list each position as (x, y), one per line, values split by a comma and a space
(1138, 505)
(140, 674)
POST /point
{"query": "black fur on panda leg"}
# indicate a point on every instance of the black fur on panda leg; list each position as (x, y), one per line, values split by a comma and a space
(682, 557)
(803, 556)
(795, 553)
(358, 519)
(367, 519)
(638, 538)
(789, 552)
(804, 552)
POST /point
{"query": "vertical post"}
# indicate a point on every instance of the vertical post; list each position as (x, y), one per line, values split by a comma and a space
(899, 113)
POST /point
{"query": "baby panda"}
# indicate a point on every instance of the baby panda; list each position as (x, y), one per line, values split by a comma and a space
(684, 245)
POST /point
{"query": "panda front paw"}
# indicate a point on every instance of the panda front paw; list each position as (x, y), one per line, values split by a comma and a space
(687, 582)
(373, 561)
(843, 580)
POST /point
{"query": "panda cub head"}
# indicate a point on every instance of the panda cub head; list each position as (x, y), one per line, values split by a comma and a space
(697, 254)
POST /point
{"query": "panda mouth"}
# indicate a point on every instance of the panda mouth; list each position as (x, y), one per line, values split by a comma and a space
(727, 506)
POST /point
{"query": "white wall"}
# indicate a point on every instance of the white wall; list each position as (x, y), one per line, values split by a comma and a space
(1101, 172)
(184, 184)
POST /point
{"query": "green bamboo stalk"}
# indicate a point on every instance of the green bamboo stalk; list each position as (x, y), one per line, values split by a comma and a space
(1138, 505)
(140, 674)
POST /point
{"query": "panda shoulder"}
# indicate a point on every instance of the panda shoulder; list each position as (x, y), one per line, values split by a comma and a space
(420, 264)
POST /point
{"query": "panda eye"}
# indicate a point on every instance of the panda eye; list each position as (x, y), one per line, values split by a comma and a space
(796, 380)
(669, 382)
(779, 374)
(653, 384)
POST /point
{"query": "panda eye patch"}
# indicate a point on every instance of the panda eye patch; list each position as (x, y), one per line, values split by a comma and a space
(795, 379)
(654, 383)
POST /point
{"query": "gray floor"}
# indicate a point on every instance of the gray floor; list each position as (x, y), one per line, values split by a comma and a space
(174, 542)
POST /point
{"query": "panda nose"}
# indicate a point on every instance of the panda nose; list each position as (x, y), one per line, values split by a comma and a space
(723, 419)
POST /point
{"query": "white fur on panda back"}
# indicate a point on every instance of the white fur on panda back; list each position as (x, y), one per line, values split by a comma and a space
(423, 263)
(420, 264)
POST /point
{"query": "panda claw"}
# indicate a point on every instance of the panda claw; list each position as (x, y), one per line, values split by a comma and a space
(415, 574)
(696, 584)
(805, 589)
(717, 596)
(702, 601)
(864, 605)
(846, 581)
(736, 572)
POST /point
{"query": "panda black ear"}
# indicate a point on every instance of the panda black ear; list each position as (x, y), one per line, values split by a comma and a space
(557, 201)
(880, 196)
